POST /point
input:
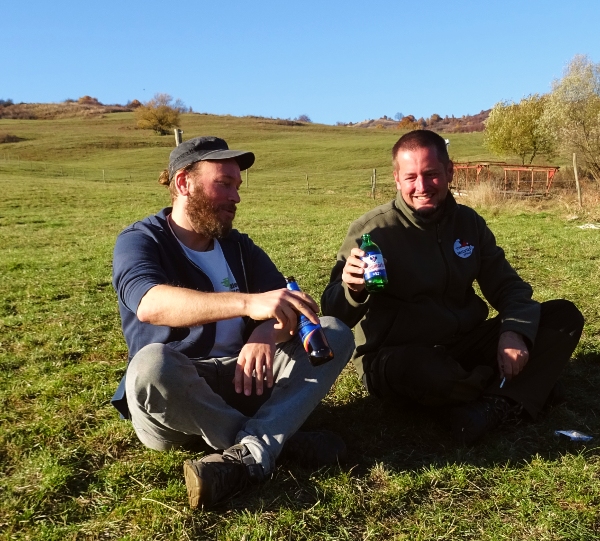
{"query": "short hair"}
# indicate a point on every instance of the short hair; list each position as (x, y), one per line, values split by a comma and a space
(421, 139)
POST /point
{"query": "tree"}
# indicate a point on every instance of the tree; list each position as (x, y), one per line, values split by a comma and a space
(573, 112)
(409, 122)
(398, 116)
(517, 128)
(303, 118)
(160, 114)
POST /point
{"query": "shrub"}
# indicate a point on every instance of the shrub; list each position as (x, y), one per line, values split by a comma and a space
(88, 100)
(160, 114)
(8, 138)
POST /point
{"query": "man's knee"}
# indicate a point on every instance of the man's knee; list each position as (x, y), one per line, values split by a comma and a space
(562, 315)
(339, 336)
(157, 365)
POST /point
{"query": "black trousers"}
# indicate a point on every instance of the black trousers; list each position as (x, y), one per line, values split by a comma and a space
(467, 369)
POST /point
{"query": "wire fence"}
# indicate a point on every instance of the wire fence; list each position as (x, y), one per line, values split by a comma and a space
(365, 182)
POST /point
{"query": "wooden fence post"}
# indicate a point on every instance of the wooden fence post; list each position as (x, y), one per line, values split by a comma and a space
(577, 185)
(307, 185)
(178, 136)
(373, 183)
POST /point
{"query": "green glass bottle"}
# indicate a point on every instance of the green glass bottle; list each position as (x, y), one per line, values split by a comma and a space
(375, 274)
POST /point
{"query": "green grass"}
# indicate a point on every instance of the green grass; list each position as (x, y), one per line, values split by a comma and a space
(72, 470)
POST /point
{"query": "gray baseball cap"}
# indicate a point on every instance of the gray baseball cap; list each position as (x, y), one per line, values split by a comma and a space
(206, 148)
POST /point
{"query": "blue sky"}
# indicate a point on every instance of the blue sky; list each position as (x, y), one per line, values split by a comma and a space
(332, 60)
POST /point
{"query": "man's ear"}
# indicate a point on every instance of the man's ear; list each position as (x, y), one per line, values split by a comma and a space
(450, 171)
(182, 182)
(397, 179)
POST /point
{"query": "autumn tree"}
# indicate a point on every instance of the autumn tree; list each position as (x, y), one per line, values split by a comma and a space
(160, 114)
(408, 122)
(573, 112)
(518, 129)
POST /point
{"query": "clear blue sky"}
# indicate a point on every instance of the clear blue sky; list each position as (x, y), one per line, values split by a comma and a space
(332, 60)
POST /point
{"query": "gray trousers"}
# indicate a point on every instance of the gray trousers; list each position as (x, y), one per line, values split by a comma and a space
(174, 400)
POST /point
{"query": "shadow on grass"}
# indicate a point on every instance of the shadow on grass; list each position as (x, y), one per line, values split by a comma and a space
(403, 439)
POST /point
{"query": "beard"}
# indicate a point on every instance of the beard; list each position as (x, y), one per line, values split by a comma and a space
(204, 215)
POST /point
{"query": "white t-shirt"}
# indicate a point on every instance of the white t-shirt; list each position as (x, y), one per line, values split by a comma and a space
(228, 338)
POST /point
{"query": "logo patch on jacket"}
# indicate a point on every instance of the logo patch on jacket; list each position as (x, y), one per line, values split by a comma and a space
(462, 248)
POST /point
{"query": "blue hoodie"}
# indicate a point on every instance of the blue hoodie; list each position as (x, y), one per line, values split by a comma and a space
(148, 254)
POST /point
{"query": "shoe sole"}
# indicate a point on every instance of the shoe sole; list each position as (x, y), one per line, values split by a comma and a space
(193, 484)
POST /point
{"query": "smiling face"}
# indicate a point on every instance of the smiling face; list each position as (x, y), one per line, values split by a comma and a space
(213, 197)
(422, 179)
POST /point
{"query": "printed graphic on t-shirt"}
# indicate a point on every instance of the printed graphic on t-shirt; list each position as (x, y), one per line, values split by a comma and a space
(229, 284)
(463, 248)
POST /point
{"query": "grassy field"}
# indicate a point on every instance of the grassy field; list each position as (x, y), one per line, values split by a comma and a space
(70, 469)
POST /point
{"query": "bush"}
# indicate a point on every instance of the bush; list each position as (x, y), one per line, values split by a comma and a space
(303, 118)
(160, 114)
(8, 138)
(88, 100)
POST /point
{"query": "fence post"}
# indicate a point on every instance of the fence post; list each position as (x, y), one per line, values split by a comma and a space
(578, 186)
(307, 185)
(373, 183)
(178, 136)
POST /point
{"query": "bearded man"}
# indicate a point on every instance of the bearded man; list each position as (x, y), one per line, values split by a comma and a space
(426, 339)
(210, 327)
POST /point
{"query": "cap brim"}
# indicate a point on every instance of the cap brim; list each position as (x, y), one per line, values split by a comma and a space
(243, 158)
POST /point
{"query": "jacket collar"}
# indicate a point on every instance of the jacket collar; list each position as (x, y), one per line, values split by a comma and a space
(425, 222)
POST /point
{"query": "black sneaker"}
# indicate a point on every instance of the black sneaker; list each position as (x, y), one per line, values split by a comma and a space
(472, 420)
(216, 477)
(320, 448)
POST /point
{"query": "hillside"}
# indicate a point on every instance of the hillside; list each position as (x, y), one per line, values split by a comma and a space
(71, 469)
(85, 106)
(452, 124)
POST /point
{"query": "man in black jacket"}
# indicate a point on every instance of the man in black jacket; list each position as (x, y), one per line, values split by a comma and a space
(209, 324)
(426, 338)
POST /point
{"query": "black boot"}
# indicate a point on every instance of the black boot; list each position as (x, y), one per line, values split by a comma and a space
(472, 420)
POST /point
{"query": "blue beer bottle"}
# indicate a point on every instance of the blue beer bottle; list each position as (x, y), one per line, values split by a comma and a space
(312, 336)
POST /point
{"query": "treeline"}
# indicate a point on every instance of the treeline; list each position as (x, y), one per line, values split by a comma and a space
(564, 121)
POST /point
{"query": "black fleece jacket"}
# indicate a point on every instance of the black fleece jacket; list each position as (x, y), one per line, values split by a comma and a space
(432, 264)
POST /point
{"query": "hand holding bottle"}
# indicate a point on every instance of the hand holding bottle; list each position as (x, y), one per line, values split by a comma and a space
(365, 268)
(354, 270)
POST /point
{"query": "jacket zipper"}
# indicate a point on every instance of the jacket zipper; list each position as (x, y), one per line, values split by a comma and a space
(447, 267)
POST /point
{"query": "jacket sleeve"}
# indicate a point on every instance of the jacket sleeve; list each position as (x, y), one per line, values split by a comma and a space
(336, 300)
(136, 267)
(505, 290)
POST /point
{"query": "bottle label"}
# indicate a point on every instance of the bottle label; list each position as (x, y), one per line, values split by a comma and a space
(306, 329)
(375, 266)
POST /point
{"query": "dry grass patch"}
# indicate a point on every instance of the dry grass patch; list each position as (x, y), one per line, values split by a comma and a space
(51, 111)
